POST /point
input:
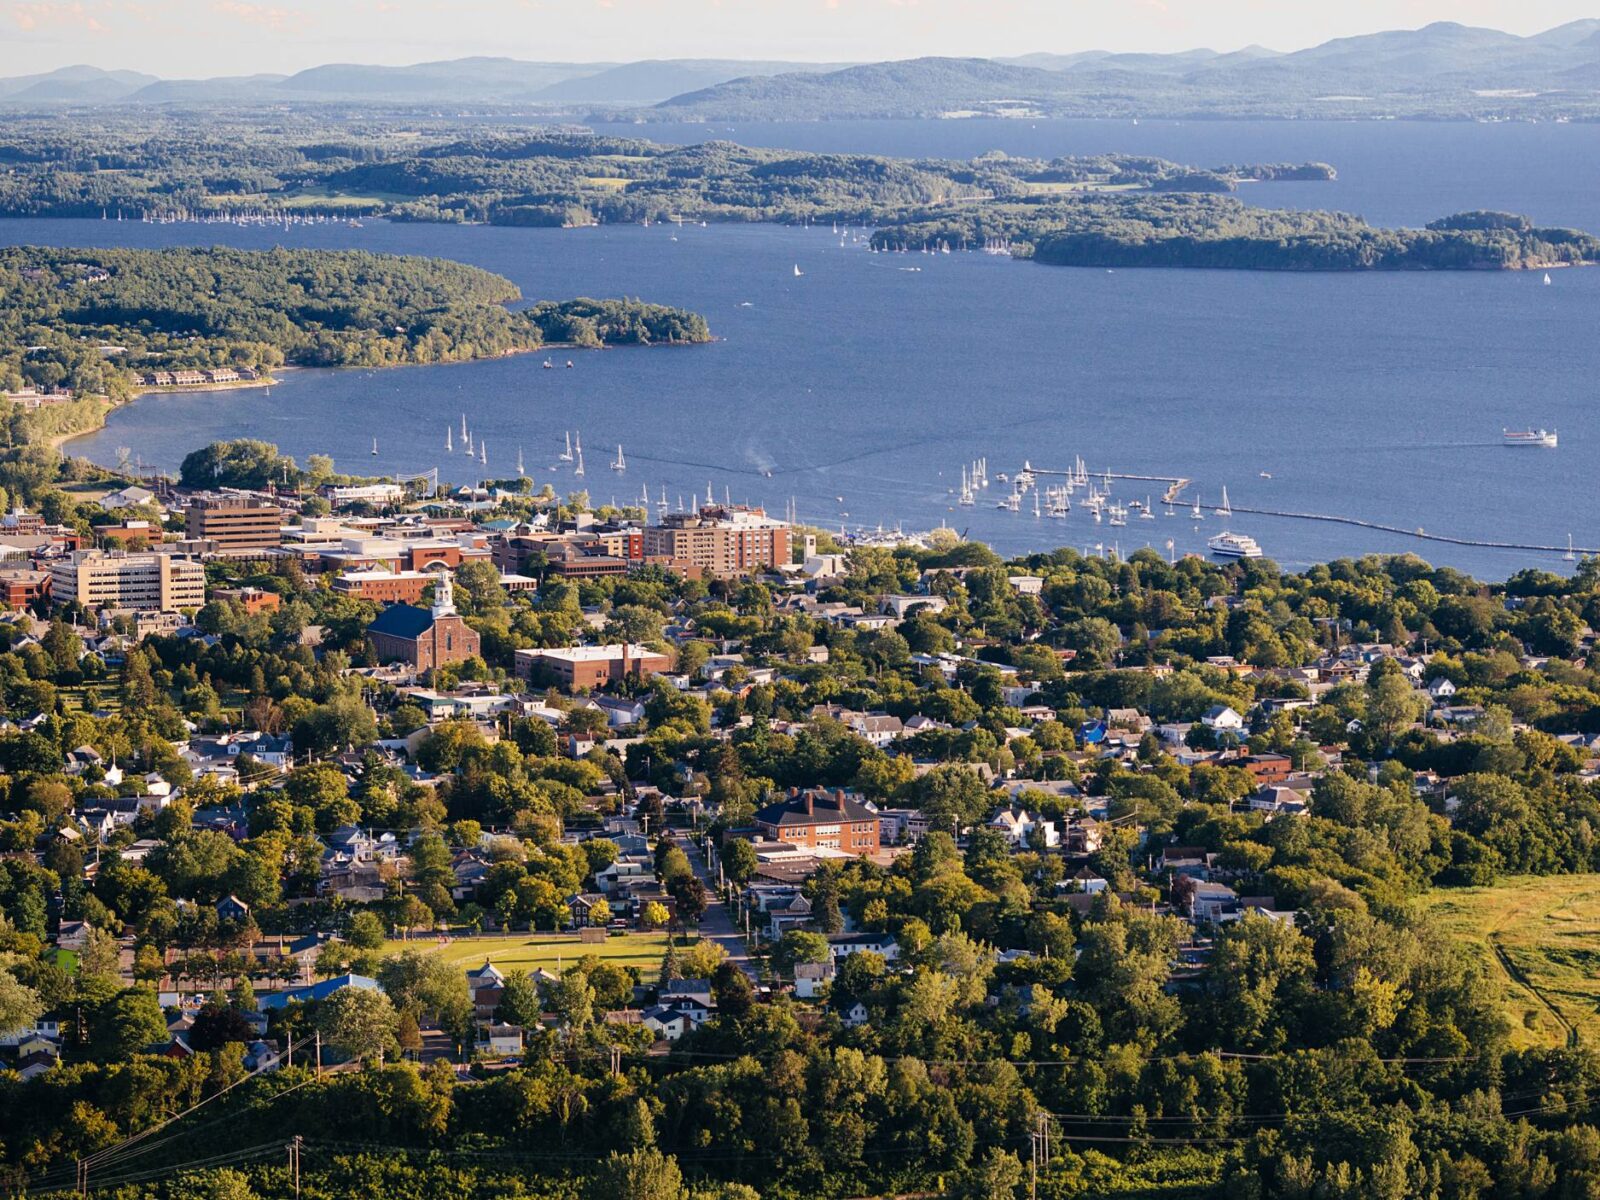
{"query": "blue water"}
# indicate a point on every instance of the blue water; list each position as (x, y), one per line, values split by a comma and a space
(1375, 396)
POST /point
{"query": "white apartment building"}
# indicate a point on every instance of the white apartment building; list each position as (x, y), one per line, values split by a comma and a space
(119, 580)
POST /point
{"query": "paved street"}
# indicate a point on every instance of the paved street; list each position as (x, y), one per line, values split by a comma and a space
(717, 924)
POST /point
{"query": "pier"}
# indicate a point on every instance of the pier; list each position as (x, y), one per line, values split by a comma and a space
(1420, 533)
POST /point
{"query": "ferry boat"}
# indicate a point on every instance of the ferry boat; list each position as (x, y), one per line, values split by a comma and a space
(1234, 545)
(1544, 438)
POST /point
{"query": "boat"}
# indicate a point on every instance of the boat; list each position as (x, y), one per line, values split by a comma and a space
(797, 271)
(578, 470)
(548, 365)
(569, 364)
(520, 471)
(1148, 514)
(449, 442)
(621, 464)
(1266, 474)
(1195, 512)
(1224, 509)
(1547, 279)
(483, 453)
(1541, 437)
(566, 455)
(374, 446)
(1234, 545)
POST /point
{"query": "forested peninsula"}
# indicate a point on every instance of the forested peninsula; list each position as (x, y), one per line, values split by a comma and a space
(97, 322)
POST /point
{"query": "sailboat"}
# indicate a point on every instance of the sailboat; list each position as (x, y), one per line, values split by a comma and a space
(1196, 513)
(483, 453)
(566, 455)
(1570, 555)
(1225, 509)
(578, 470)
(1148, 514)
(374, 446)
(621, 463)
(1547, 279)
(797, 271)
(449, 441)
(520, 471)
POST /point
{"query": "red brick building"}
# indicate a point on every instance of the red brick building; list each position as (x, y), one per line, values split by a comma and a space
(424, 638)
(590, 667)
(817, 818)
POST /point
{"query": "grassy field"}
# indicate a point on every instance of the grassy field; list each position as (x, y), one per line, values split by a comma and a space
(528, 952)
(1540, 939)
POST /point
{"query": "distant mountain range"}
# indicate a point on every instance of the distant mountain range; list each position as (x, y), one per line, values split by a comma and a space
(461, 81)
(1444, 69)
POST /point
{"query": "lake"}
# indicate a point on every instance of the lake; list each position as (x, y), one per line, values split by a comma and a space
(861, 388)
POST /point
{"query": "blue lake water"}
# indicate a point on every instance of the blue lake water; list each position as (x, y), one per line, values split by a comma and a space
(1380, 397)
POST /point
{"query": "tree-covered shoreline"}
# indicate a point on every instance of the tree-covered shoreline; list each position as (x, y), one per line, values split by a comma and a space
(98, 321)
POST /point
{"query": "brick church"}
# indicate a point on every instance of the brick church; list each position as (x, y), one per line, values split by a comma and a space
(424, 638)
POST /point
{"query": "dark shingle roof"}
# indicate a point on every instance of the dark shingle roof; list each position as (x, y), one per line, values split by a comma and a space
(402, 621)
(814, 808)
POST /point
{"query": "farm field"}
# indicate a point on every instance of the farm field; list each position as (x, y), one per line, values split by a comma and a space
(1540, 940)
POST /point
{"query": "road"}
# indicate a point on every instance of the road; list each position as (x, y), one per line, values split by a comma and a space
(716, 923)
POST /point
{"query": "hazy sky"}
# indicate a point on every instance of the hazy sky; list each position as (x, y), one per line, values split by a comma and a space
(193, 38)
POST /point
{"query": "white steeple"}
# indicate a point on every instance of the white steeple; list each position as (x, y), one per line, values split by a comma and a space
(444, 598)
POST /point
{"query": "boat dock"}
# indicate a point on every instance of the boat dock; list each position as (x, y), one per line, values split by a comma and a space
(1175, 483)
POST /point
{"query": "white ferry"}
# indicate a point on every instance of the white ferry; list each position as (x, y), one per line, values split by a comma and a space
(1234, 545)
(1541, 437)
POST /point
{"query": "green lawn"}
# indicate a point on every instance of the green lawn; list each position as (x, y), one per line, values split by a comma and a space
(1540, 941)
(527, 952)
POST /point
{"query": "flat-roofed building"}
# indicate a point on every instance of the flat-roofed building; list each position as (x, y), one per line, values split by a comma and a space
(724, 541)
(117, 579)
(234, 522)
(590, 666)
(384, 587)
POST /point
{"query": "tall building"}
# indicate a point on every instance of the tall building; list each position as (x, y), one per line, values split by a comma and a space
(234, 522)
(120, 580)
(724, 541)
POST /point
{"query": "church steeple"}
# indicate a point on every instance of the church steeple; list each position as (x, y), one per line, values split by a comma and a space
(444, 598)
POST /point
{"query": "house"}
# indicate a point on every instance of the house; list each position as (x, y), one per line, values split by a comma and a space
(686, 991)
(852, 1012)
(485, 985)
(811, 980)
(842, 945)
(667, 1023)
(1090, 883)
(272, 750)
(263, 1056)
(1219, 718)
(877, 728)
(1441, 689)
(1017, 827)
(231, 908)
(1209, 901)
(499, 1040)
(586, 908)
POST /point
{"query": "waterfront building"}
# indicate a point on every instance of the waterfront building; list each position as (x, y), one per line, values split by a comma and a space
(723, 541)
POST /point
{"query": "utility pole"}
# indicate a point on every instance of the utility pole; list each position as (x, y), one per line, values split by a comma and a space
(83, 1177)
(616, 1060)
(1040, 1142)
(294, 1164)
(318, 1053)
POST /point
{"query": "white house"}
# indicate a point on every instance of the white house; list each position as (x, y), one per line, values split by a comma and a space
(812, 979)
(1441, 688)
(1219, 718)
(1017, 825)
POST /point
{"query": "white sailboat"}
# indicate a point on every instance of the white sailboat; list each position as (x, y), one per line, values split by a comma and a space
(797, 271)
(1225, 509)
(520, 471)
(483, 453)
(1148, 514)
(621, 464)
(578, 470)
(374, 446)
(449, 440)
(1547, 279)
(1196, 513)
(566, 455)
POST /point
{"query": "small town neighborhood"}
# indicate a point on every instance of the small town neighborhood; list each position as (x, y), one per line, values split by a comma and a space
(475, 787)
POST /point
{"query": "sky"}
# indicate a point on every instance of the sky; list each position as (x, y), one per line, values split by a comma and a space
(202, 38)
